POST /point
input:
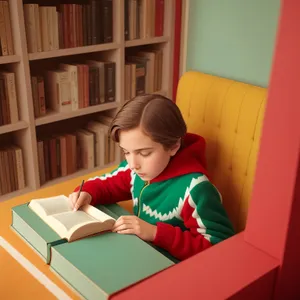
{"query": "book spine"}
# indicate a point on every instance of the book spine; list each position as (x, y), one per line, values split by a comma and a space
(3, 38)
(20, 168)
(107, 21)
(110, 81)
(7, 21)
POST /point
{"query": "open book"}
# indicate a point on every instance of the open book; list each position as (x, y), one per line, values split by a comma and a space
(57, 212)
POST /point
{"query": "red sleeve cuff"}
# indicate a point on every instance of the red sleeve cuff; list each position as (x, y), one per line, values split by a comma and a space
(91, 188)
(165, 234)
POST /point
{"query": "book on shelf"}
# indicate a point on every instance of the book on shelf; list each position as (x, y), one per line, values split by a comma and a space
(12, 176)
(71, 225)
(6, 40)
(59, 91)
(61, 154)
(86, 144)
(38, 95)
(58, 155)
(99, 133)
(72, 86)
(110, 145)
(143, 72)
(68, 25)
(143, 19)
(73, 83)
(8, 98)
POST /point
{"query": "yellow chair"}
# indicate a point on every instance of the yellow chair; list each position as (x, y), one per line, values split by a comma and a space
(228, 114)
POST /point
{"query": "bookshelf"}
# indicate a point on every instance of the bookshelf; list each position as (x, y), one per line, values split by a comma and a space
(9, 59)
(30, 128)
(73, 51)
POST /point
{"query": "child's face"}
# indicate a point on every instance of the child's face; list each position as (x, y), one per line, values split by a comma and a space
(144, 156)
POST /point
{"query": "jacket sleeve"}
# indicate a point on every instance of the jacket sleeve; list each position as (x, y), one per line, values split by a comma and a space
(111, 187)
(205, 219)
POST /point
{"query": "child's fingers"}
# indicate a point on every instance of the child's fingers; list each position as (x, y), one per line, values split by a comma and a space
(123, 220)
(85, 198)
(79, 202)
(73, 198)
(126, 231)
(122, 227)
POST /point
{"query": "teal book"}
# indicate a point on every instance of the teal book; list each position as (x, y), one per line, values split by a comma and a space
(108, 263)
(97, 265)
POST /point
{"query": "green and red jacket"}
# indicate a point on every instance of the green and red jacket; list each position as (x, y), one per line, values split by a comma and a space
(184, 205)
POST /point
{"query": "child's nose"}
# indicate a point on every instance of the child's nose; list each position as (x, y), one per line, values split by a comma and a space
(134, 164)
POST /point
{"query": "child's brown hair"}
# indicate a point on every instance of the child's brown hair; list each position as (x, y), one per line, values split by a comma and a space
(158, 117)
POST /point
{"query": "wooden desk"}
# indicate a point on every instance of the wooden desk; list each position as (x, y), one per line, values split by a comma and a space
(16, 280)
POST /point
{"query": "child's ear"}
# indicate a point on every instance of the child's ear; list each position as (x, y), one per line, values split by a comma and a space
(173, 150)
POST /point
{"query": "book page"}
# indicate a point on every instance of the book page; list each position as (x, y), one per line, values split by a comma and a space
(74, 225)
(57, 212)
(73, 218)
(96, 213)
(51, 205)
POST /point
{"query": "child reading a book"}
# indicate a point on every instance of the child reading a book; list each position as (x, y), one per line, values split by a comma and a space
(175, 205)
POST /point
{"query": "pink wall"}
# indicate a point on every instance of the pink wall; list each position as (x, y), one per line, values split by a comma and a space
(273, 225)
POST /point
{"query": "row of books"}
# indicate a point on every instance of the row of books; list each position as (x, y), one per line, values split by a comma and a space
(8, 98)
(73, 86)
(12, 169)
(85, 148)
(143, 72)
(68, 25)
(144, 18)
(6, 41)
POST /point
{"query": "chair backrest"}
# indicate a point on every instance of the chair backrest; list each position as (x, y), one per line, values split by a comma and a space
(229, 115)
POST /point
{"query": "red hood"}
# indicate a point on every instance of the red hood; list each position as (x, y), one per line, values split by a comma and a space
(189, 159)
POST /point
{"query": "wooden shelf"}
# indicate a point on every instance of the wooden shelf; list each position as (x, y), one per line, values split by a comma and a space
(73, 51)
(140, 42)
(54, 116)
(79, 173)
(9, 59)
(13, 127)
(17, 193)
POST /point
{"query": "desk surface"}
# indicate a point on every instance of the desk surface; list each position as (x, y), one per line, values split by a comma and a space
(24, 275)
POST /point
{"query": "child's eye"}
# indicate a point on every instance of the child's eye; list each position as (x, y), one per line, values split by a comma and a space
(144, 154)
(125, 153)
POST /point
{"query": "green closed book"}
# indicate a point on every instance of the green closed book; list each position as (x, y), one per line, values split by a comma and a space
(81, 249)
(102, 265)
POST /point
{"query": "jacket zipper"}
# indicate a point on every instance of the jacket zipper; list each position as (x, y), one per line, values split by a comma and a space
(140, 197)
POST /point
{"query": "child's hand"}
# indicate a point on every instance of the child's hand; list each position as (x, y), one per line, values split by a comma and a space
(85, 198)
(134, 225)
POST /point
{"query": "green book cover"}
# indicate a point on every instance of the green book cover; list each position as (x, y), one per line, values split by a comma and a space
(95, 266)
(101, 265)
